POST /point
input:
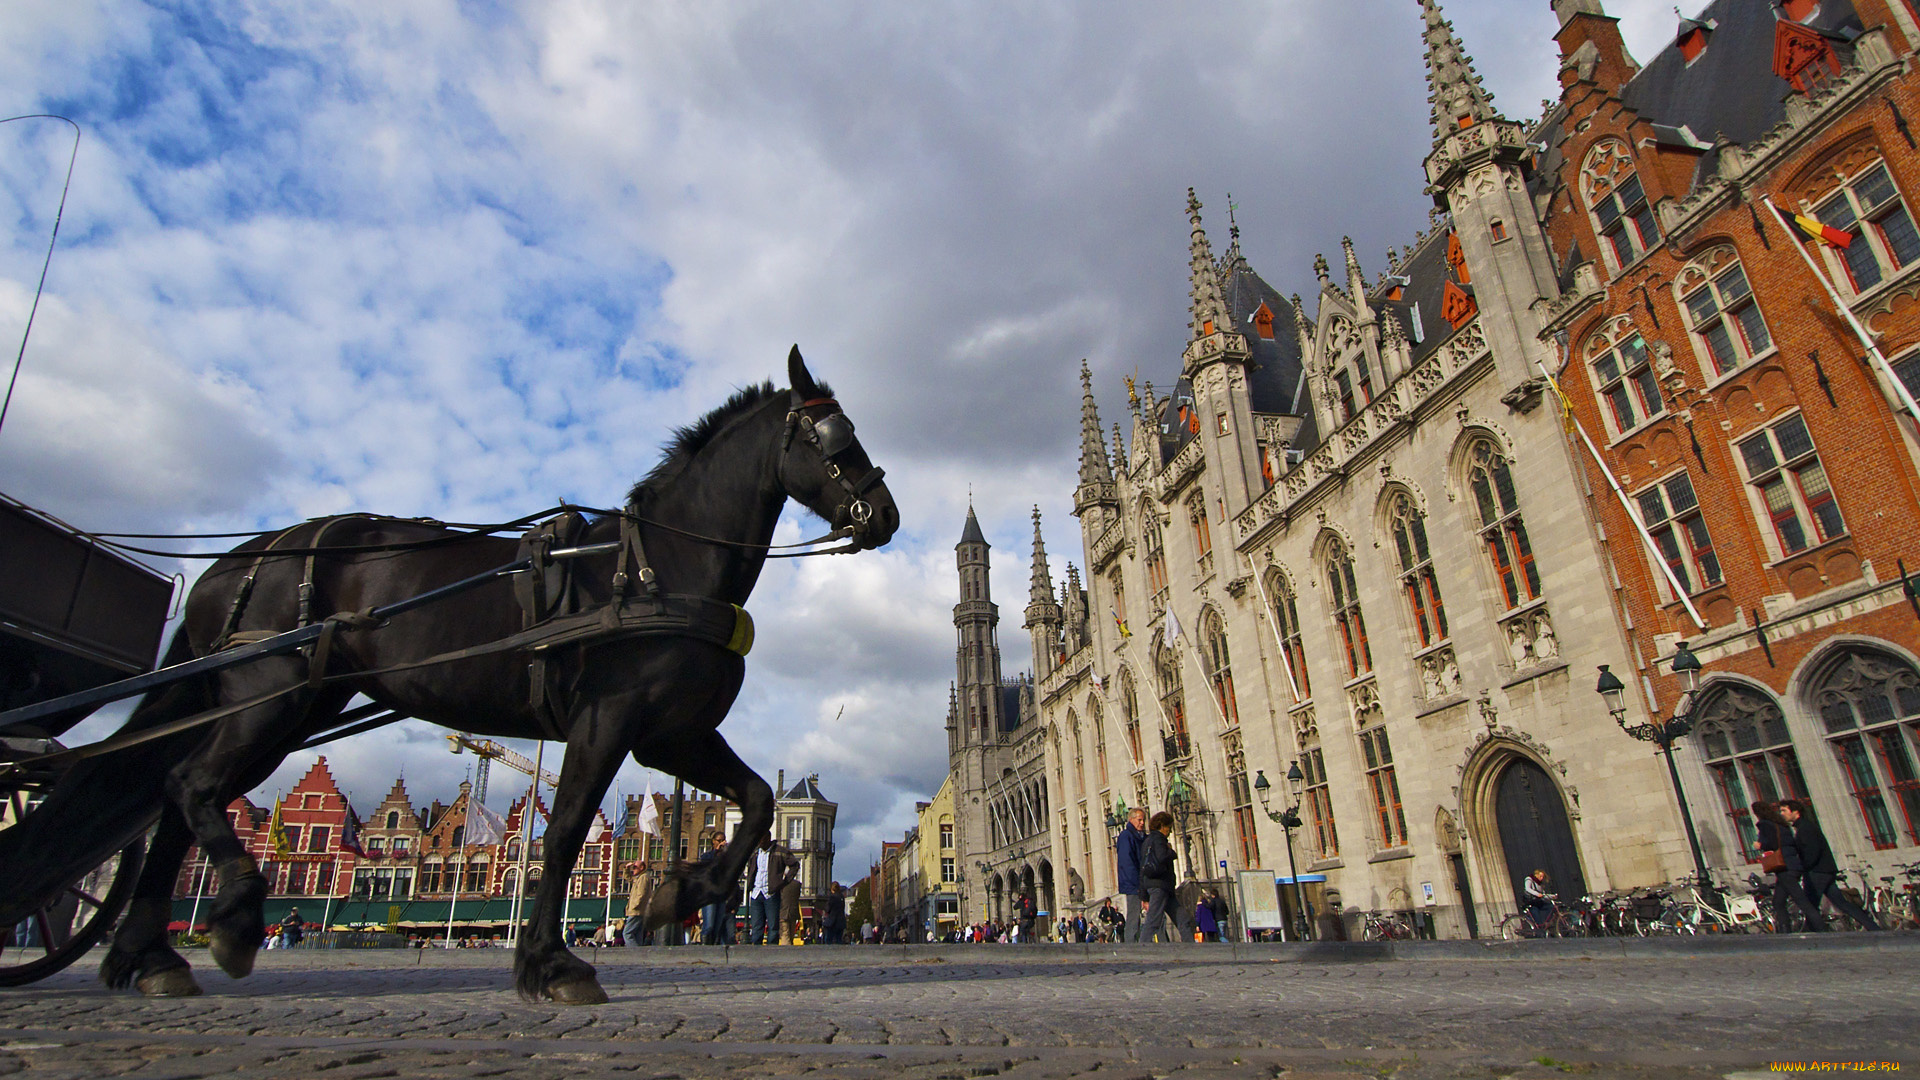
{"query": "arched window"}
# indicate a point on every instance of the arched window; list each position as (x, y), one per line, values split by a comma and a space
(1343, 594)
(1869, 702)
(1621, 215)
(1417, 579)
(1173, 701)
(1501, 528)
(1202, 535)
(1130, 715)
(1079, 754)
(1728, 329)
(1213, 652)
(1884, 239)
(1623, 375)
(1744, 737)
(459, 836)
(1156, 552)
(1099, 724)
(1286, 619)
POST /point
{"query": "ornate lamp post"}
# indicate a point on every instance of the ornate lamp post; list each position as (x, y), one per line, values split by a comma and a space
(1664, 733)
(1288, 819)
(1180, 801)
(1117, 816)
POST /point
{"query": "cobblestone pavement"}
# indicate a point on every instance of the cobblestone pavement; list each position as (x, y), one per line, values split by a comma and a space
(996, 1010)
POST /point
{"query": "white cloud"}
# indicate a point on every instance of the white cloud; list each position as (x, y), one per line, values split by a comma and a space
(460, 260)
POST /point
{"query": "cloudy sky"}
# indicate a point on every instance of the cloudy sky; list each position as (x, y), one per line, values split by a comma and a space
(464, 258)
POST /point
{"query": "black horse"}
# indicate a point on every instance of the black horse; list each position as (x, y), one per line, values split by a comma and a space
(701, 521)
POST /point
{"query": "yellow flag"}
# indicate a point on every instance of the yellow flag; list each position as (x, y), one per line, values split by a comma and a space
(277, 832)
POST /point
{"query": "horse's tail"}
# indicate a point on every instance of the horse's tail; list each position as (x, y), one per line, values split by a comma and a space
(102, 803)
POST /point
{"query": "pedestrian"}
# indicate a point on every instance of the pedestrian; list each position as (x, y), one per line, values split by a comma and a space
(1127, 868)
(790, 902)
(639, 896)
(1539, 900)
(716, 919)
(763, 894)
(1111, 921)
(1028, 913)
(1218, 905)
(1204, 924)
(1778, 854)
(833, 924)
(1156, 877)
(1821, 871)
(291, 929)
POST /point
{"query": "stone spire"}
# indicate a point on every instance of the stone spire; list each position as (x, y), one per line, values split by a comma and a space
(1459, 101)
(1093, 452)
(1119, 446)
(1041, 589)
(1209, 310)
(1356, 281)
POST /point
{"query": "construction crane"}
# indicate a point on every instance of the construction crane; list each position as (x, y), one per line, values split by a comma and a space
(487, 750)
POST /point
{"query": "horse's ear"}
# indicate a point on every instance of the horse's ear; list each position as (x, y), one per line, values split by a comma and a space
(799, 377)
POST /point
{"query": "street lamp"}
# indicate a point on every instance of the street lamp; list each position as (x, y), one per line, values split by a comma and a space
(1180, 801)
(1117, 816)
(1288, 819)
(1664, 733)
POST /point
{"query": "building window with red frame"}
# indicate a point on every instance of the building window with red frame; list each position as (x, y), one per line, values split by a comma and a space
(1791, 485)
(1623, 376)
(1319, 803)
(1720, 308)
(1617, 203)
(1343, 594)
(1672, 516)
(1174, 702)
(1384, 786)
(1502, 530)
(1417, 579)
(1130, 715)
(1286, 619)
(1213, 653)
(1869, 703)
(1749, 753)
(1156, 556)
(1884, 238)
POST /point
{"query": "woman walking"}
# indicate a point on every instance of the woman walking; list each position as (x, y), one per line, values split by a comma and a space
(1156, 877)
(1778, 853)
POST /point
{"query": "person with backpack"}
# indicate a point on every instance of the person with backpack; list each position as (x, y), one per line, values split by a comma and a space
(1156, 877)
(1028, 913)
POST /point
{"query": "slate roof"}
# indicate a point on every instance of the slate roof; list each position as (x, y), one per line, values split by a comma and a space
(1418, 308)
(1730, 89)
(1273, 371)
(972, 534)
(805, 789)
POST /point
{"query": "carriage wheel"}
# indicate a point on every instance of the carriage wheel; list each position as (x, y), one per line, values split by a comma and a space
(53, 937)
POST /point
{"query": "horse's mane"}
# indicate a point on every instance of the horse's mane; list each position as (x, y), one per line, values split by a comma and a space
(688, 441)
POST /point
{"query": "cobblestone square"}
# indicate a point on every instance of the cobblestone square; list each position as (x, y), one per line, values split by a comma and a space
(1642, 1009)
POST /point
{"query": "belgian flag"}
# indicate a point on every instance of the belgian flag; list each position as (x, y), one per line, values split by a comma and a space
(1822, 232)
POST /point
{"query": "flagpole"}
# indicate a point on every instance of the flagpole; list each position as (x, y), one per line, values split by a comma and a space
(1633, 512)
(526, 836)
(1286, 661)
(1866, 339)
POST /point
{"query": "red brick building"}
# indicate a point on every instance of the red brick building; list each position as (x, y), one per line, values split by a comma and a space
(1769, 458)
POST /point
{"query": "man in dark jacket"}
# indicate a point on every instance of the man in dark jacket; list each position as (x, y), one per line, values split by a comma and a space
(833, 925)
(1156, 877)
(1776, 835)
(1820, 869)
(1127, 861)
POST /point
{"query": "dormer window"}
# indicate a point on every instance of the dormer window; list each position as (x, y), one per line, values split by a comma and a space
(1263, 321)
(1800, 10)
(1802, 56)
(1692, 44)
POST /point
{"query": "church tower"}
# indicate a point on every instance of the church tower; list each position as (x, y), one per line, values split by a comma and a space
(1215, 367)
(980, 710)
(1043, 615)
(1477, 173)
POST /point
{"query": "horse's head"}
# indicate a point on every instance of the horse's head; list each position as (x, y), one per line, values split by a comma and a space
(824, 468)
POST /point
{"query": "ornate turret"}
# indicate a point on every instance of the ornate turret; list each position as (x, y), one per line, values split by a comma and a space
(975, 619)
(1096, 477)
(1459, 101)
(1043, 614)
(1213, 337)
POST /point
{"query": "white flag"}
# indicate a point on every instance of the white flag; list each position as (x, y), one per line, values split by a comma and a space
(1173, 627)
(598, 829)
(649, 812)
(483, 825)
(1100, 683)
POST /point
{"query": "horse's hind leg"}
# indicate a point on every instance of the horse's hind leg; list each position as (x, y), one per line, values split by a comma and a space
(708, 763)
(140, 955)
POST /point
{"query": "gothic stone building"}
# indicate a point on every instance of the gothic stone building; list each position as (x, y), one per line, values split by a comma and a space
(1364, 539)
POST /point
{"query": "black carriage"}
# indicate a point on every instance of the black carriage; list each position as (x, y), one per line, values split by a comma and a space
(73, 616)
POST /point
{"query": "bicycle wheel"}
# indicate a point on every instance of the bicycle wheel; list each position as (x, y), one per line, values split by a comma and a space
(1517, 926)
(1562, 925)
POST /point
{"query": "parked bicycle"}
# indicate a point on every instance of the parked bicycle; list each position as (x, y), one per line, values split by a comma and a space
(1385, 926)
(1522, 924)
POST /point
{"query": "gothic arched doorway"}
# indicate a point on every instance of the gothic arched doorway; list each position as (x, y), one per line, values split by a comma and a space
(1534, 830)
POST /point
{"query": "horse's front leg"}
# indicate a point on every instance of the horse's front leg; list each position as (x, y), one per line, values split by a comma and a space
(708, 763)
(542, 966)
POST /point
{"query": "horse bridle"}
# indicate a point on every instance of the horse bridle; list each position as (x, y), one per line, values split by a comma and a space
(832, 435)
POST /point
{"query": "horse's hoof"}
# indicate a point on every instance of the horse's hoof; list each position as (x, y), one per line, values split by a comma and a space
(234, 958)
(173, 982)
(582, 991)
